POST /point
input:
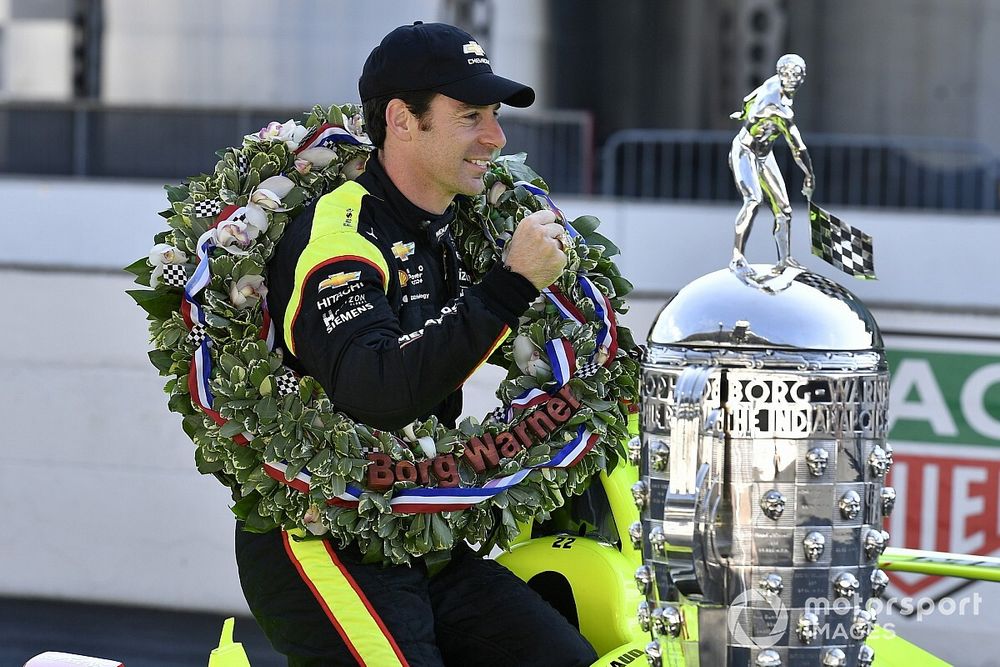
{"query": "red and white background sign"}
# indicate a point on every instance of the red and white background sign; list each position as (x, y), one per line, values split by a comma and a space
(944, 426)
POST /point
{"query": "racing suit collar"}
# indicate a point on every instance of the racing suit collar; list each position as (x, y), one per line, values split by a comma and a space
(408, 213)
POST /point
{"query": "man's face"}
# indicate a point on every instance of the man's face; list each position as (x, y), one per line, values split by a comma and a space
(454, 145)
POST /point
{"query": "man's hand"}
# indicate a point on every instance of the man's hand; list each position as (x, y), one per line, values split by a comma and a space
(535, 250)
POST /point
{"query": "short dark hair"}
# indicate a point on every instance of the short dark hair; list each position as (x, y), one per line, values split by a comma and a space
(417, 101)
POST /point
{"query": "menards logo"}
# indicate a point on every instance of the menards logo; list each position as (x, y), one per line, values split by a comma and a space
(944, 417)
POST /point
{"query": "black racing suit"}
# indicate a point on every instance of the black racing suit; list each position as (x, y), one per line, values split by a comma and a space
(384, 317)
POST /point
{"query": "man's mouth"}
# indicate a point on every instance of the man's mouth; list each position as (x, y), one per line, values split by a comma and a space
(482, 164)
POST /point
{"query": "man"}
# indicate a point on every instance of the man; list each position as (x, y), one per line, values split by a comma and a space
(370, 299)
(766, 115)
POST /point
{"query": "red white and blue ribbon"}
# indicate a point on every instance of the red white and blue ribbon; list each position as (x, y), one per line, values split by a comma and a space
(562, 358)
(607, 336)
(542, 194)
(567, 309)
(325, 136)
(191, 311)
(200, 373)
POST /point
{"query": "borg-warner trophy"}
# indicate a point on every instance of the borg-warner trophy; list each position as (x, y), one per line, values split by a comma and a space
(763, 449)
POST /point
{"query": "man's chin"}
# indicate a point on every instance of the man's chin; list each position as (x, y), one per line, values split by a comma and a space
(474, 188)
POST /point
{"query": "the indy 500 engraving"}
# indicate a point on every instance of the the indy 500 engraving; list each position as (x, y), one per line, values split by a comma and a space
(781, 406)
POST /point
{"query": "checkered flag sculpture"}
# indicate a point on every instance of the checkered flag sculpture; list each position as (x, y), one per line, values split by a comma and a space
(841, 245)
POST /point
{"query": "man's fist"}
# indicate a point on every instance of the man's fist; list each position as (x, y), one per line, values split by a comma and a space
(535, 251)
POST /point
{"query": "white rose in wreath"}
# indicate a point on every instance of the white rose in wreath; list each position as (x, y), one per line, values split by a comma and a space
(160, 255)
(247, 291)
(289, 132)
(351, 170)
(234, 236)
(529, 359)
(267, 197)
(317, 157)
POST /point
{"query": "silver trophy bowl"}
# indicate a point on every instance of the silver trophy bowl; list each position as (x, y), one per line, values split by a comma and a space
(762, 467)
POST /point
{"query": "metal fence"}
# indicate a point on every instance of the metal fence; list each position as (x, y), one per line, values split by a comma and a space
(94, 140)
(850, 170)
(168, 144)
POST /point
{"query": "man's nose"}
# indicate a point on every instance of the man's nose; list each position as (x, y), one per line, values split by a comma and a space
(493, 134)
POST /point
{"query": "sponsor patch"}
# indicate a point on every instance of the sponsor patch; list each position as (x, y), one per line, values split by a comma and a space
(402, 251)
(445, 312)
(332, 299)
(410, 337)
(416, 277)
(333, 319)
(339, 279)
(473, 48)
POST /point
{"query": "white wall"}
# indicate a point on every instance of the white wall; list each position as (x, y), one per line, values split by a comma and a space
(923, 260)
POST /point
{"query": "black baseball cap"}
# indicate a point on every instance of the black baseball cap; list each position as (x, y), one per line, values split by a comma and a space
(438, 57)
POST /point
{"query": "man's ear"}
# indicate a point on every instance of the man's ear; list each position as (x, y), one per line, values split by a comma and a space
(399, 122)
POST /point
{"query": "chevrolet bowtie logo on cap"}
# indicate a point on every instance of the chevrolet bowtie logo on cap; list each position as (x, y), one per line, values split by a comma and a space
(473, 47)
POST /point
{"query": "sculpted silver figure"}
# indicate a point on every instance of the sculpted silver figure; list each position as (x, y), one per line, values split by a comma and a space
(768, 658)
(635, 451)
(771, 584)
(846, 585)
(834, 657)
(643, 616)
(767, 115)
(807, 629)
(644, 579)
(850, 505)
(813, 545)
(863, 624)
(640, 494)
(635, 533)
(879, 581)
(816, 459)
(888, 500)
(773, 504)
(659, 455)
